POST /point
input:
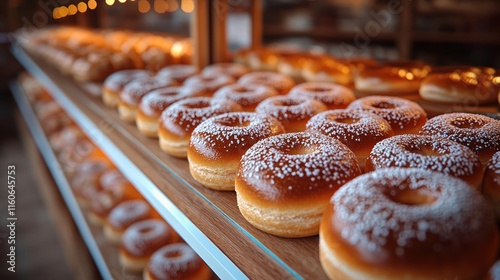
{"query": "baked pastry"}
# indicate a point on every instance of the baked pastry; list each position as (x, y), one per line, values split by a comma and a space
(326, 69)
(391, 78)
(115, 83)
(178, 72)
(480, 133)
(407, 223)
(284, 182)
(281, 83)
(124, 215)
(234, 70)
(208, 84)
(404, 116)
(427, 152)
(141, 240)
(218, 143)
(178, 121)
(133, 92)
(176, 262)
(491, 183)
(292, 112)
(153, 104)
(359, 131)
(247, 96)
(332, 95)
(466, 85)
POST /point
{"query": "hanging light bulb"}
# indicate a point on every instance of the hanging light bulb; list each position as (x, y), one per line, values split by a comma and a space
(144, 6)
(110, 2)
(82, 7)
(92, 4)
(187, 6)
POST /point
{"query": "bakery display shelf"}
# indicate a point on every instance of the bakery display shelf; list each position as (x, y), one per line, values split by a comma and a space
(163, 179)
(105, 255)
(148, 178)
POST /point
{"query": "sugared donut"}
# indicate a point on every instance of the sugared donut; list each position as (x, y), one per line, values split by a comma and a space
(178, 121)
(70, 157)
(123, 216)
(480, 133)
(406, 223)
(178, 72)
(208, 84)
(281, 83)
(85, 180)
(359, 131)
(284, 182)
(391, 78)
(491, 183)
(427, 152)
(464, 85)
(217, 145)
(141, 240)
(115, 83)
(68, 136)
(153, 104)
(332, 95)
(176, 262)
(404, 116)
(292, 112)
(248, 96)
(234, 70)
(133, 92)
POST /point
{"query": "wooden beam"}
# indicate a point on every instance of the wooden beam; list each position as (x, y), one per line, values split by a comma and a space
(218, 12)
(256, 18)
(200, 34)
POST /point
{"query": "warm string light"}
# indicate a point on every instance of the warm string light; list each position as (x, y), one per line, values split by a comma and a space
(92, 4)
(143, 6)
(110, 2)
(187, 6)
(160, 6)
(172, 5)
(63, 11)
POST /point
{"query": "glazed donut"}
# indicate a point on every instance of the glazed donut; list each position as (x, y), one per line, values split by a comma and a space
(292, 112)
(407, 223)
(154, 102)
(284, 182)
(359, 131)
(176, 262)
(281, 83)
(141, 240)
(427, 152)
(217, 145)
(234, 70)
(178, 121)
(491, 183)
(123, 216)
(332, 95)
(480, 133)
(404, 116)
(391, 78)
(208, 84)
(327, 70)
(468, 86)
(247, 96)
(133, 92)
(178, 73)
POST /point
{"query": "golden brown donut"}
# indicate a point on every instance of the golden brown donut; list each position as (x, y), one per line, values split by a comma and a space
(480, 133)
(218, 143)
(292, 65)
(470, 86)
(491, 183)
(427, 152)
(359, 131)
(234, 70)
(208, 84)
(326, 69)
(153, 104)
(84, 182)
(178, 72)
(391, 78)
(404, 116)
(176, 262)
(281, 83)
(67, 136)
(407, 223)
(178, 121)
(292, 112)
(247, 96)
(284, 182)
(141, 240)
(133, 92)
(262, 60)
(115, 83)
(332, 95)
(124, 215)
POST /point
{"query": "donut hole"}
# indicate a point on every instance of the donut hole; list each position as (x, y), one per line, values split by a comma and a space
(240, 90)
(207, 79)
(383, 105)
(202, 104)
(173, 254)
(235, 122)
(288, 102)
(467, 123)
(411, 197)
(145, 230)
(344, 119)
(300, 150)
(319, 89)
(424, 150)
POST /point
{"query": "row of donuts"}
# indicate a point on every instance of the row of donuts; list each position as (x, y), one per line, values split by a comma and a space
(146, 242)
(465, 85)
(92, 55)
